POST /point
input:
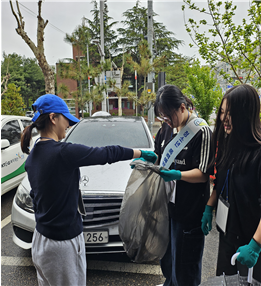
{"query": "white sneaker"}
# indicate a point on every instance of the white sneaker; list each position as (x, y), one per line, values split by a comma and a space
(160, 285)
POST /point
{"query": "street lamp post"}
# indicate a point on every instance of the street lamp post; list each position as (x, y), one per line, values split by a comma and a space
(89, 83)
(151, 116)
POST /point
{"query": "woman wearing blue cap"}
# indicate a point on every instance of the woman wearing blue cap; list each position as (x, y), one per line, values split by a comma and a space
(58, 247)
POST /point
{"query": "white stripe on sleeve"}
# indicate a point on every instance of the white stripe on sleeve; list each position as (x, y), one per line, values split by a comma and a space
(205, 149)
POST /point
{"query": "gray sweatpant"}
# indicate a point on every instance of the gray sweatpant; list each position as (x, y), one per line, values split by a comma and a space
(59, 263)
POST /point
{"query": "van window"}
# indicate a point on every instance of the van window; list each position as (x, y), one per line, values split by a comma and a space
(12, 132)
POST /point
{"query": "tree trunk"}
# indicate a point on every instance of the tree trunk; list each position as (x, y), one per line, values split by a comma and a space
(39, 49)
(48, 75)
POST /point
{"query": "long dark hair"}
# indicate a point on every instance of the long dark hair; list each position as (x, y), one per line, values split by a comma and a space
(169, 99)
(243, 105)
(42, 123)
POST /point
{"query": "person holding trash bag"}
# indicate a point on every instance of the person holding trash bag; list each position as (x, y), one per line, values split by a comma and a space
(181, 264)
(58, 247)
(237, 190)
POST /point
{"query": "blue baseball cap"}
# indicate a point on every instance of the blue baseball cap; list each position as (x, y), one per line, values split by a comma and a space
(49, 103)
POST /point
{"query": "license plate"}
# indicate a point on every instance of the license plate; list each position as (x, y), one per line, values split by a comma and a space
(92, 237)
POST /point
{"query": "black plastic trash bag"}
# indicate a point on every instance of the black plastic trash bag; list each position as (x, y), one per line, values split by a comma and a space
(144, 219)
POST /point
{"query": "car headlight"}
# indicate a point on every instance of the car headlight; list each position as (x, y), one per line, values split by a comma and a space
(23, 199)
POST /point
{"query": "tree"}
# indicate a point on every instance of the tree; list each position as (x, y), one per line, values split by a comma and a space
(12, 102)
(80, 71)
(26, 74)
(237, 45)
(93, 28)
(175, 72)
(4, 82)
(143, 68)
(203, 89)
(38, 49)
(134, 30)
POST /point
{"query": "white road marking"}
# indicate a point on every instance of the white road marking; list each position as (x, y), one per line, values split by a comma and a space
(5, 221)
(16, 261)
(124, 267)
(93, 265)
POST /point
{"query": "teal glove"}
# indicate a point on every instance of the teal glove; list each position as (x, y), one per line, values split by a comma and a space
(206, 220)
(249, 253)
(149, 156)
(132, 166)
(170, 175)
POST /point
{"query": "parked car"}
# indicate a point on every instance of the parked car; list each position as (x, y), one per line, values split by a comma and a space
(101, 113)
(12, 158)
(29, 113)
(102, 186)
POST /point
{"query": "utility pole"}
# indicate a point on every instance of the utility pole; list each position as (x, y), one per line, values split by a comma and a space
(102, 48)
(151, 116)
(136, 89)
(89, 82)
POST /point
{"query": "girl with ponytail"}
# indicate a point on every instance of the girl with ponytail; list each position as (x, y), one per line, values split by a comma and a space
(58, 247)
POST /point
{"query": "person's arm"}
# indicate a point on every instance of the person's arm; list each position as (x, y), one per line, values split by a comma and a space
(212, 201)
(194, 176)
(136, 153)
(257, 235)
(145, 155)
(191, 176)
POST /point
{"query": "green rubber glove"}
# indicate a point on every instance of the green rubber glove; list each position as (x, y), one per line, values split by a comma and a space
(206, 220)
(170, 175)
(249, 253)
(149, 156)
(132, 166)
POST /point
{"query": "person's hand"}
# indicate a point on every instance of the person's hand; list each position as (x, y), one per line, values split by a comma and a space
(149, 156)
(206, 220)
(170, 175)
(132, 166)
(249, 253)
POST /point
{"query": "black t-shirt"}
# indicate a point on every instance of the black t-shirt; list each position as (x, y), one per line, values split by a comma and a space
(190, 198)
(244, 197)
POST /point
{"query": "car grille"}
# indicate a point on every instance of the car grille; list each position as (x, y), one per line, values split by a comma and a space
(101, 210)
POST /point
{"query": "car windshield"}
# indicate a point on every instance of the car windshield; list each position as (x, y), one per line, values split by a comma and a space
(103, 133)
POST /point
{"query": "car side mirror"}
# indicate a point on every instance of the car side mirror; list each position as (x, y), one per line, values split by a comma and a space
(4, 144)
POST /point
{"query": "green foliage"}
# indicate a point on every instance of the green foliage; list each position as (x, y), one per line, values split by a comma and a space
(134, 30)
(92, 31)
(176, 74)
(204, 88)
(238, 46)
(143, 69)
(25, 74)
(12, 102)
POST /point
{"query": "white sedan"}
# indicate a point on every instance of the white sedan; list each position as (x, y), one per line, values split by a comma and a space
(102, 186)
(12, 157)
